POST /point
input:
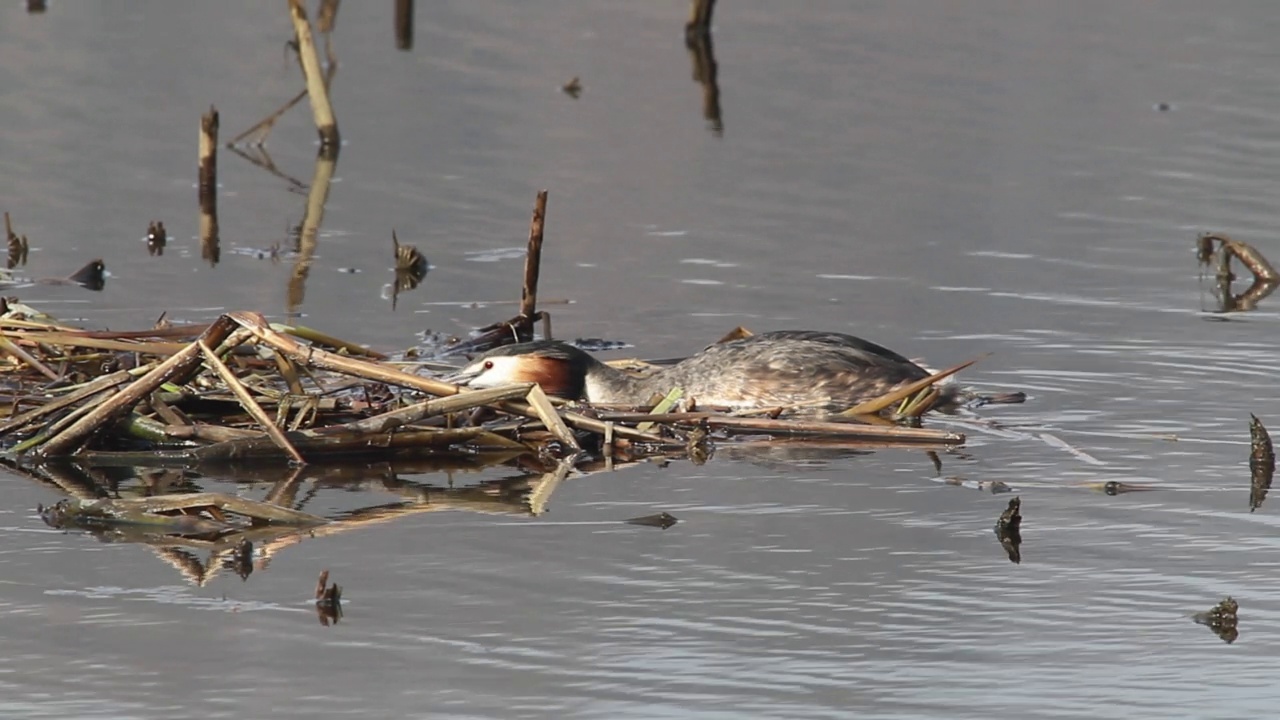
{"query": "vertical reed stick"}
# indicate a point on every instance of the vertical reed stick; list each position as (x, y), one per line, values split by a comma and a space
(699, 19)
(533, 260)
(321, 110)
(208, 153)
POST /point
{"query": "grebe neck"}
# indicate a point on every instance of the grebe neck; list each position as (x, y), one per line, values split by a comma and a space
(607, 384)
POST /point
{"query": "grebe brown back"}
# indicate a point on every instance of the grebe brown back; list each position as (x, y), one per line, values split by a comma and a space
(807, 370)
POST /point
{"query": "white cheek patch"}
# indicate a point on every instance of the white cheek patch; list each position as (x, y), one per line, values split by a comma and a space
(505, 371)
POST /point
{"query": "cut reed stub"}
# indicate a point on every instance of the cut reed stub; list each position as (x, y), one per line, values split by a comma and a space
(328, 600)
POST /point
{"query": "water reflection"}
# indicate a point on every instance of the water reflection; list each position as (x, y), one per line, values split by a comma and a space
(697, 38)
(187, 516)
(1216, 249)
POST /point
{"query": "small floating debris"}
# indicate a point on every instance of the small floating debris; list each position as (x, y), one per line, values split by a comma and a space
(1116, 487)
(411, 268)
(409, 261)
(328, 600)
(157, 238)
(698, 444)
(593, 344)
(241, 559)
(1009, 530)
(18, 246)
(1262, 463)
(573, 88)
(1221, 619)
(662, 520)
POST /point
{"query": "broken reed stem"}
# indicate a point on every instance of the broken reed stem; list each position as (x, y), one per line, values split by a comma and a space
(875, 405)
(208, 155)
(404, 24)
(209, 249)
(106, 383)
(10, 347)
(533, 260)
(699, 19)
(177, 368)
(321, 110)
(248, 403)
(71, 438)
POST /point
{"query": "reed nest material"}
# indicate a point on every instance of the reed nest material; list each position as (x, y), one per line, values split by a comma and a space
(240, 388)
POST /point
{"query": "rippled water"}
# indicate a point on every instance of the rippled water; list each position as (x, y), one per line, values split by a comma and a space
(946, 180)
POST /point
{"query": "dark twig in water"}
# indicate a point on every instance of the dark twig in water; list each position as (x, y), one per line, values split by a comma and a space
(404, 24)
(699, 19)
(328, 600)
(697, 38)
(157, 238)
(410, 269)
(18, 246)
(1262, 463)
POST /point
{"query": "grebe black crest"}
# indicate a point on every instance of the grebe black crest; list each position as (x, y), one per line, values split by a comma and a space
(809, 371)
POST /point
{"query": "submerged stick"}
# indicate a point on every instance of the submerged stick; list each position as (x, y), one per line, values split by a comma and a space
(533, 260)
(248, 403)
(321, 110)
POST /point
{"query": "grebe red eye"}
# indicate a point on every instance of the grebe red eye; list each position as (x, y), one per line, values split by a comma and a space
(488, 364)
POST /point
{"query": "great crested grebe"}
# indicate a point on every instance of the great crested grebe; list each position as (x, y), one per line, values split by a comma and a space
(807, 370)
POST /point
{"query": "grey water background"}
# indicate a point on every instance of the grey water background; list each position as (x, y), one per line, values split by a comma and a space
(949, 179)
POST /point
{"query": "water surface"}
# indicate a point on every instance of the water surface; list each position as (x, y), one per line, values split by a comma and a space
(946, 180)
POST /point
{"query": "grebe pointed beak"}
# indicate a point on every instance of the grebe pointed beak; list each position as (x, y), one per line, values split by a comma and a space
(461, 377)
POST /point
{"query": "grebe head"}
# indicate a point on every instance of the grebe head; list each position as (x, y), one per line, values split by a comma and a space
(560, 369)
